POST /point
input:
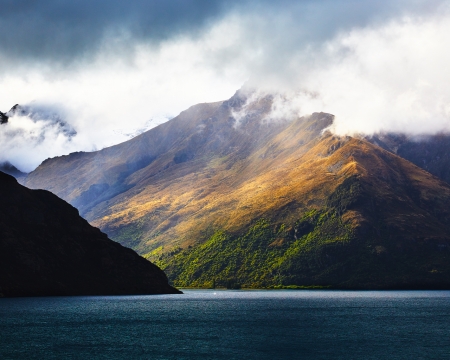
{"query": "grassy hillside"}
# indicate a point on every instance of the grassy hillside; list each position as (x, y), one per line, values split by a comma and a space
(379, 228)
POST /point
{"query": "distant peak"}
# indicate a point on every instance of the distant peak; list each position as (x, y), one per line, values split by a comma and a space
(17, 110)
(3, 118)
(10, 169)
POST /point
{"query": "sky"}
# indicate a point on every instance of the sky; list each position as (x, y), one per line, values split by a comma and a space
(95, 73)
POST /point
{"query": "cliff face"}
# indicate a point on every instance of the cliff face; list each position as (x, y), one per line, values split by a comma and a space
(47, 249)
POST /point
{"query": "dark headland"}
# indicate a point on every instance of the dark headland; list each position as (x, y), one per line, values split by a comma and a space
(47, 249)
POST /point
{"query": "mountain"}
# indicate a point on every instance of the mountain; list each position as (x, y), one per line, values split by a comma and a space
(47, 249)
(15, 110)
(3, 118)
(18, 110)
(430, 152)
(137, 191)
(228, 194)
(10, 169)
(32, 125)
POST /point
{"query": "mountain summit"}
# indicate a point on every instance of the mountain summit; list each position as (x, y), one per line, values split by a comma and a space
(15, 110)
(229, 194)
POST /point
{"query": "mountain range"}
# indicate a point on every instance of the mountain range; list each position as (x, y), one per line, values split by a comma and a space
(226, 194)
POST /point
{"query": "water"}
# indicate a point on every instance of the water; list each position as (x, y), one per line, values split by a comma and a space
(230, 325)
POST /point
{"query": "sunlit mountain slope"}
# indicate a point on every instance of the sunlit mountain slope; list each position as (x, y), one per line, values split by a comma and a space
(225, 194)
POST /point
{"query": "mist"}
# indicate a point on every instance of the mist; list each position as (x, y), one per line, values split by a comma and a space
(111, 75)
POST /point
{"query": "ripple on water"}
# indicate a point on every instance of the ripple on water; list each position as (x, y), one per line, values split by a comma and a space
(215, 324)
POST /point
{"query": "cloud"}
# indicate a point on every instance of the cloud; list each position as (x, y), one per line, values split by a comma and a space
(32, 133)
(388, 77)
(114, 68)
(110, 99)
(65, 33)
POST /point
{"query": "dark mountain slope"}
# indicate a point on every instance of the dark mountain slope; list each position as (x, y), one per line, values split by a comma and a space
(3, 118)
(47, 249)
(431, 152)
(10, 169)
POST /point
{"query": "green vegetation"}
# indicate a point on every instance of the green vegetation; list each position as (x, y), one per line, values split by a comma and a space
(271, 255)
(266, 256)
(129, 236)
(356, 240)
(319, 250)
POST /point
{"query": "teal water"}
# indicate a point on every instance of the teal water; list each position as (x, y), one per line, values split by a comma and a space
(230, 325)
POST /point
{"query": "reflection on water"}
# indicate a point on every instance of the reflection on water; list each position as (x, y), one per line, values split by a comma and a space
(214, 324)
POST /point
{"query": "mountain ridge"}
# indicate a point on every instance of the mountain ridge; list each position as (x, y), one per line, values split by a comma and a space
(10, 169)
(200, 186)
(430, 152)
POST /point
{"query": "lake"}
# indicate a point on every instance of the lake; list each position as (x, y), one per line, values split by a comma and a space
(214, 324)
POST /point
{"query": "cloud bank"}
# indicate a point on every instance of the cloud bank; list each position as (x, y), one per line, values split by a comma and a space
(25, 139)
(112, 69)
(390, 77)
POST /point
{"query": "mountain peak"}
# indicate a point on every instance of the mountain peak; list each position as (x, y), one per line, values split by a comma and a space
(17, 110)
(3, 118)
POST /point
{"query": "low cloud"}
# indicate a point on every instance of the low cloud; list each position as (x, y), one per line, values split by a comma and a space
(379, 66)
(31, 133)
(110, 100)
(390, 76)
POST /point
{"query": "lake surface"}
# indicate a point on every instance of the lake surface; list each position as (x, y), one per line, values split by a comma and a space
(214, 324)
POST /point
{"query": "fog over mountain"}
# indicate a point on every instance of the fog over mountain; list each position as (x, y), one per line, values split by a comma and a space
(111, 69)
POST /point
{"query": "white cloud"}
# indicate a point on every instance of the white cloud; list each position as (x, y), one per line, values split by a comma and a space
(26, 140)
(393, 78)
(113, 98)
(378, 75)
(390, 77)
